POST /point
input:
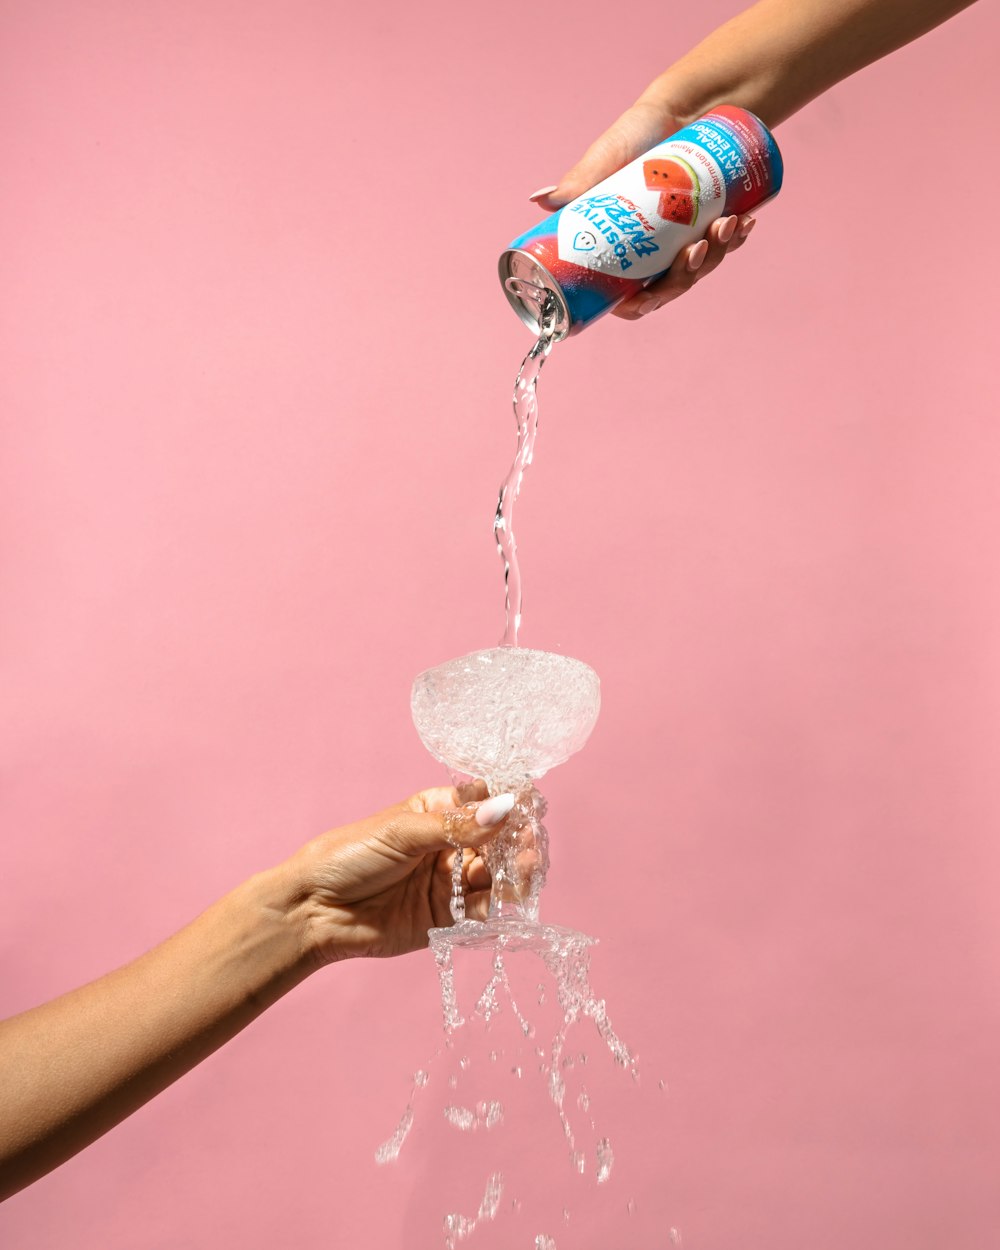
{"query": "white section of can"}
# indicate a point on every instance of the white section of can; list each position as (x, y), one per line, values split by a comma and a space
(617, 226)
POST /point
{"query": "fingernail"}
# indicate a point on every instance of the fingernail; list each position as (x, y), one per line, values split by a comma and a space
(727, 229)
(697, 257)
(646, 306)
(537, 195)
(747, 226)
(492, 811)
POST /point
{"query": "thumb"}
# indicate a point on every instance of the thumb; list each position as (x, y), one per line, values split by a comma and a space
(637, 130)
(413, 829)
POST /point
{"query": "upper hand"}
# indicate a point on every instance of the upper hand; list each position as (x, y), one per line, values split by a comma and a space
(649, 121)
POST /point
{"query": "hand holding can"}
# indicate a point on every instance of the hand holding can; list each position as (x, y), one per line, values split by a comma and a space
(616, 239)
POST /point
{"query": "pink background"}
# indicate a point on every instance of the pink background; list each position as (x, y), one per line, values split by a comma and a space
(255, 381)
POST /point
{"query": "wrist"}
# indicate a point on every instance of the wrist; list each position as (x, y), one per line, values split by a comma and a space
(694, 86)
(277, 932)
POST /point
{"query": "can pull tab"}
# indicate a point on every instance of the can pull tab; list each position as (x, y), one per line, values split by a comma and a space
(540, 297)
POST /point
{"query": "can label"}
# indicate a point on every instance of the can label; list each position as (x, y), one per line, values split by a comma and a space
(626, 231)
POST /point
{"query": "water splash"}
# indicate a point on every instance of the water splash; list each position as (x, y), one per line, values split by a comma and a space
(487, 1114)
(458, 1227)
(388, 1152)
(566, 956)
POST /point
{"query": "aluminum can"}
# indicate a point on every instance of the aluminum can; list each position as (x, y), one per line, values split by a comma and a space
(625, 232)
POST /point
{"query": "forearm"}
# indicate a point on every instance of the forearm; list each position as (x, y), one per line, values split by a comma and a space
(778, 55)
(73, 1068)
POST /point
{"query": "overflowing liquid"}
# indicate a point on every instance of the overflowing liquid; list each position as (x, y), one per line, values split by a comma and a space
(526, 416)
(565, 957)
(491, 741)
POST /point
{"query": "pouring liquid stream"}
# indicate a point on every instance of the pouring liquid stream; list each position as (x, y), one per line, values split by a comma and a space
(525, 402)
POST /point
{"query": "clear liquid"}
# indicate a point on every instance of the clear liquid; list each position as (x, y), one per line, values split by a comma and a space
(566, 957)
(526, 417)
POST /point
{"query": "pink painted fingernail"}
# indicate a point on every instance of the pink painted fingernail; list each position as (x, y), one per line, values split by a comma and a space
(747, 226)
(727, 229)
(697, 255)
(647, 306)
(537, 195)
(492, 811)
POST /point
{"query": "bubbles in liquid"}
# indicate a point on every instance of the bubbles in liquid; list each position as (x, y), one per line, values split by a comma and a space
(507, 714)
(457, 902)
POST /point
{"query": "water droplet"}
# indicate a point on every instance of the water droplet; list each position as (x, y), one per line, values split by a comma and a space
(630, 1206)
(675, 1237)
(491, 1199)
(389, 1151)
(605, 1160)
(420, 1077)
(460, 1118)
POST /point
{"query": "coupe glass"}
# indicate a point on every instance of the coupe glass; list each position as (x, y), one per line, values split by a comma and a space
(508, 715)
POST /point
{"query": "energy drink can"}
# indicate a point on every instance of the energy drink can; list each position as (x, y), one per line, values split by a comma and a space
(625, 232)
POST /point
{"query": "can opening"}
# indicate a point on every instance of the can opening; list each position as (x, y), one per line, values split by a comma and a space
(527, 284)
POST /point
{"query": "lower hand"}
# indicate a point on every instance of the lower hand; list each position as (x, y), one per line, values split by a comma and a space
(377, 886)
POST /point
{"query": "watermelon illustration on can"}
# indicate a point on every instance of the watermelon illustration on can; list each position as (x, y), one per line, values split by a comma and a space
(625, 232)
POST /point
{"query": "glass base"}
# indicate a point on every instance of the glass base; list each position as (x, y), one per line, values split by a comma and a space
(510, 935)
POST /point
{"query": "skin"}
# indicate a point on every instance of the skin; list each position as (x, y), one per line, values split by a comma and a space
(75, 1067)
(772, 59)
